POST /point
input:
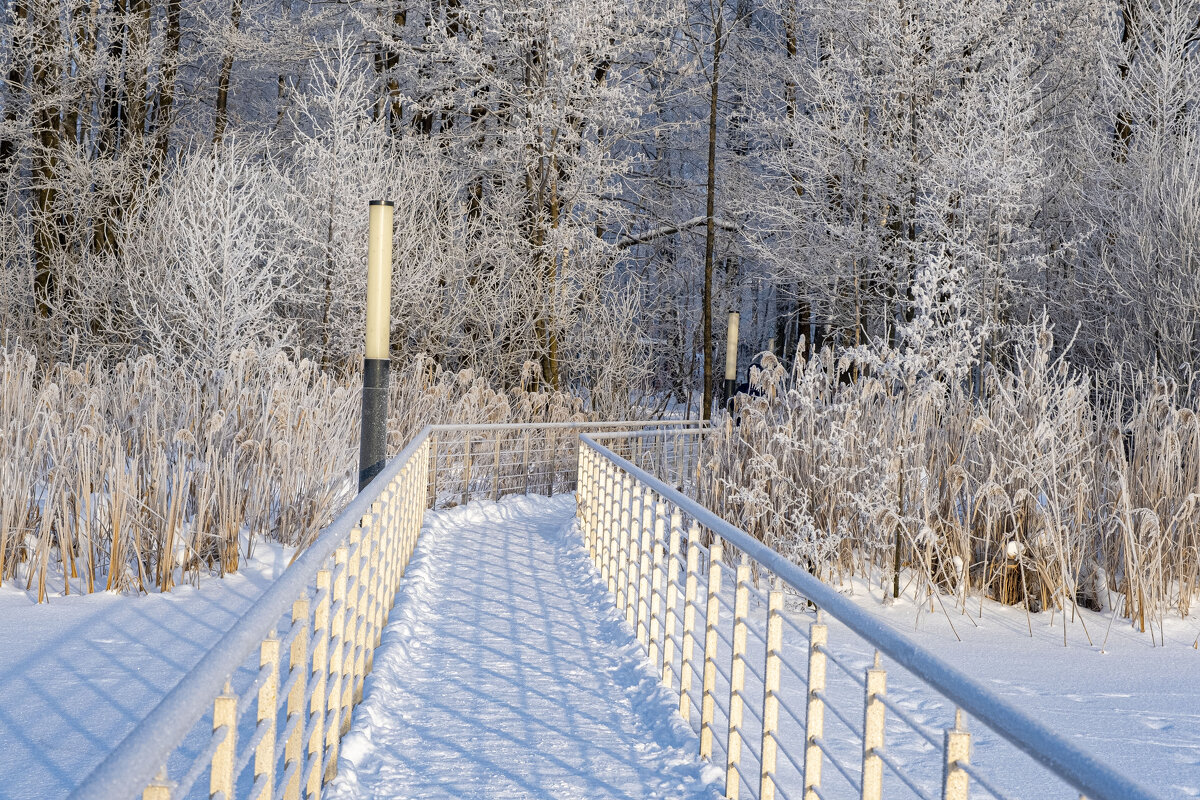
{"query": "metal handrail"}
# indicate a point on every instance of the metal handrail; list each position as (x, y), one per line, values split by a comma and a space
(1081, 770)
(134, 763)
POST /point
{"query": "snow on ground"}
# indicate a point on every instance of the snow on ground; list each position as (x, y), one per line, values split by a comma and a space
(506, 673)
(1124, 696)
(465, 699)
(78, 672)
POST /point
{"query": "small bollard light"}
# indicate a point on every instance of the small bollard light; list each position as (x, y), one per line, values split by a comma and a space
(373, 444)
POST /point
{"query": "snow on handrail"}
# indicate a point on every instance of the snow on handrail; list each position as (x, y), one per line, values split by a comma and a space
(133, 764)
(605, 529)
(349, 620)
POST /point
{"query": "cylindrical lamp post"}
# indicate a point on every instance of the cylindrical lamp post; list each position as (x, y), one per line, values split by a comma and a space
(373, 447)
(731, 346)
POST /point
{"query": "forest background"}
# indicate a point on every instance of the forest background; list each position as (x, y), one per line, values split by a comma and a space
(981, 205)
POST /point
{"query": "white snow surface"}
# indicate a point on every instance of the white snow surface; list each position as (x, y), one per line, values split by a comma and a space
(505, 672)
(78, 672)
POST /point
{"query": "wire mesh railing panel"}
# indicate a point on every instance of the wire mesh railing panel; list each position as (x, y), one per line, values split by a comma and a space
(790, 687)
(487, 462)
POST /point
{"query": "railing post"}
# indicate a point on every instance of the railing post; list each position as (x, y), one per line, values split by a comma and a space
(320, 676)
(525, 463)
(220, 779)
(669, 626)
(772, 671)
(957, 748)
(874, 715)
(737, 680)
(496, 479)
(595, 477)
(645, 551)
(366, 660)
(552, 440)
(264, 754)
(333, 686)
(635, 547)
(711, 618)
(583, 503)
(612, 521)
(623, 535)
(433, 472)
(159, 788)
(656, 586)
(354, 620)
(293, 753)
(688, 649)
(818, 635)
(466, 492)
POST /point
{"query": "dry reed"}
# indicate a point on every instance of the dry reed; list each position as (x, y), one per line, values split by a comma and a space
(136, 478)
(1050, 487)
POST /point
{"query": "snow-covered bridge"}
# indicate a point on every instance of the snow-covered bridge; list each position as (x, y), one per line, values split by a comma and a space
(620, 641)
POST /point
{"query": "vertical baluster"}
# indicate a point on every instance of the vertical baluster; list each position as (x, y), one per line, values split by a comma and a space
(433, 473)
(585, 492)
(293, 748)
(612, 516)
(552, 441)
(333, 685)
(711, 618)
(371, 544)
(320, 676)
(623, 535)
(815, 721)
(496, 477)
(645, 552)
(595, 477)
(354, 603)
(672, 601)
(525, 462)
(220, 777)
(598, 501)
(466, 492)
(737, 680)
(633, 554)
(604, 521)
(581, 502)
(957, 751)
(688, 648)
(772, 670)
(656, 585)
(264, 754)
(159, 788)
(873, 731)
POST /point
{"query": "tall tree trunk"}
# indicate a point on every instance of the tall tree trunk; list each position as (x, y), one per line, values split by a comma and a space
(222, 116)
(47, 130)
(166, 86)
(710, 226)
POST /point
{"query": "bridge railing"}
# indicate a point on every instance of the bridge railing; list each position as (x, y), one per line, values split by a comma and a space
(490, 461)
(262, 714)
(789, 709)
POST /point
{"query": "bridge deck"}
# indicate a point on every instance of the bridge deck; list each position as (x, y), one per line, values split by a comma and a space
(505, 673)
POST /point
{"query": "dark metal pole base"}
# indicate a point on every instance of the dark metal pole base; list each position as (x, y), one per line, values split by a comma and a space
(372, 454)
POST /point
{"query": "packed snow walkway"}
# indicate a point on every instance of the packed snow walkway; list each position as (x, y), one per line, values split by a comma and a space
(506, 673)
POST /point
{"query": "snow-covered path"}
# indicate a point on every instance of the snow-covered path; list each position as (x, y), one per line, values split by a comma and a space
(506, 673)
